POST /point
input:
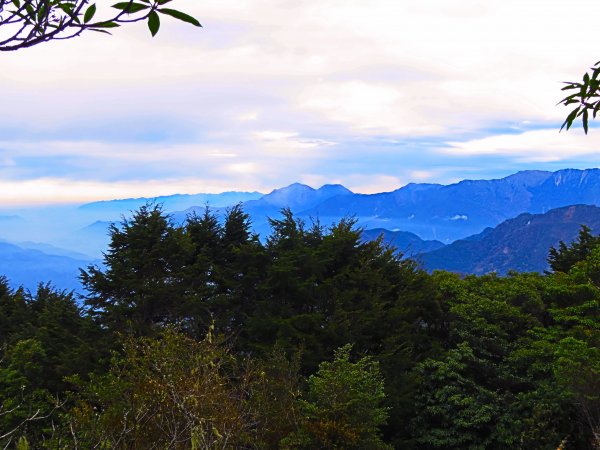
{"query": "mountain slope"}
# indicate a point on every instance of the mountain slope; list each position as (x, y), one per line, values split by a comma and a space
(28, 267)
(520, 244)
(112, 209)
(458, 210)
(409, 244)
(296, 196)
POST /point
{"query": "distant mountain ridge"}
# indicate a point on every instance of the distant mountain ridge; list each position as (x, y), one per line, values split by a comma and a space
(520, 244)
(171, 202)
(450, 212)
(421, 216)
(28, 267)
(431, 211)
(296, 196)
(407, 243)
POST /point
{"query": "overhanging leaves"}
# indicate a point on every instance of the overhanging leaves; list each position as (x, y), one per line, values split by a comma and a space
(179, 15)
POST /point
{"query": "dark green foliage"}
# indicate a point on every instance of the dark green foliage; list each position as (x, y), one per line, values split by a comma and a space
(472, 363)
(585, 95)
(343, 408)
(141, 286)
(563, 258)
(325, 287)
(44, 338)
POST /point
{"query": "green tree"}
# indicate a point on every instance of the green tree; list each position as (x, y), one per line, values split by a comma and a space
(171, 391)
(578, 369)
(575, 312)
(25, 23)
(16, 318)
(495, 386)
(141, 286)
(563, 258)
(239, 270)
(200, 272)
(47, 338)
(343, 408)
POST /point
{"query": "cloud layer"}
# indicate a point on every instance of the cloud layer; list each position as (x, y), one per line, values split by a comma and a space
(372, 94)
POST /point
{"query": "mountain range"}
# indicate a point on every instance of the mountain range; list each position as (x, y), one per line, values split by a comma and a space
(431, 211)
(451, 212)
(465, 226)
(27, 267)
(408, 244)
(112, 209)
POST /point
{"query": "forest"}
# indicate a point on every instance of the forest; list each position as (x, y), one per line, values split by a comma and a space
(202, 336)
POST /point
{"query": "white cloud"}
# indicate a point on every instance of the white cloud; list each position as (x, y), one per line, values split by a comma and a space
(474, 63)
(59, 190)
(274, 91)
(372, 183)
(531, 146)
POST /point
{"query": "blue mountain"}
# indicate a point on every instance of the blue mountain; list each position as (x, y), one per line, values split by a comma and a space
(112, 209)
(455, 211)
(29, 267)
(520, 244)
(296, 196)
(431, 211)
(406, 243)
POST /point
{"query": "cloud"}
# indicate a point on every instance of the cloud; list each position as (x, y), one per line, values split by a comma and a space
(372, 94)
(536, 146)
(60, 190)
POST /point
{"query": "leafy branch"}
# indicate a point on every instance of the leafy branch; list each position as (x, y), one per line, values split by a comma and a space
(25, 23)
(586, 96)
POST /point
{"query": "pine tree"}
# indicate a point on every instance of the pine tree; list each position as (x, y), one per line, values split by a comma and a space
(141, 285)
(564, 257)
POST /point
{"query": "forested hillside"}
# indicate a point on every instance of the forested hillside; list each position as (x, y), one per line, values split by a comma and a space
(201, 336)
(519, 244)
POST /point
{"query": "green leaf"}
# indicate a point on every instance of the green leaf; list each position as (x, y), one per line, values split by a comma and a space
(17, 3)
(130, 7)
(89, 13)
(596, 108)
(41, 13)
(162, 2)
(99, 31)
(153, 23)
(179, 15)
(585, 121)
(30, 10)
(570, 86)
(569, 120)
(105, 25)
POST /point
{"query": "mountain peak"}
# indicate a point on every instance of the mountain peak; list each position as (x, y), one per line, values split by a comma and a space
(529, 177)
(334, 189)
(294, 187)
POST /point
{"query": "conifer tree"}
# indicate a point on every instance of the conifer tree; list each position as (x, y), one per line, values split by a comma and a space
(140, 286)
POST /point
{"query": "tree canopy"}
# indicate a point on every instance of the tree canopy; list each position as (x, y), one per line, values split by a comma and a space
(199, 335)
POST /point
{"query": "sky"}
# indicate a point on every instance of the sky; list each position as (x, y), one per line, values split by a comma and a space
(372, 94)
